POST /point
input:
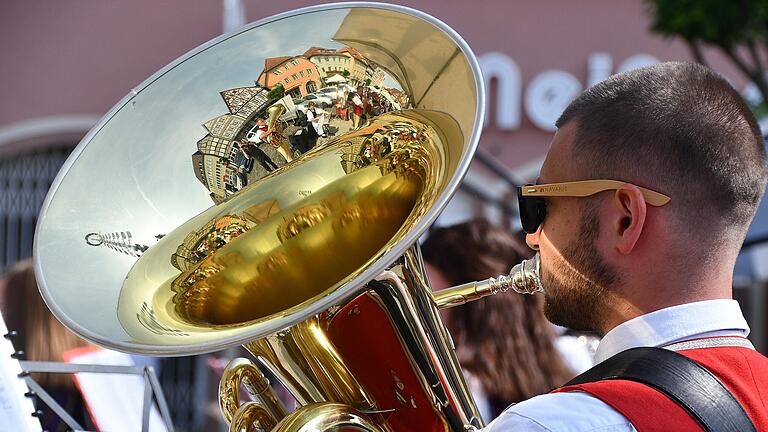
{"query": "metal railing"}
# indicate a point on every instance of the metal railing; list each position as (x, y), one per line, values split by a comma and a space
(152, 388)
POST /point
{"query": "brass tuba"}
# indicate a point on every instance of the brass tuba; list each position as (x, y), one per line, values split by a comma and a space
(275, 137)
(309, 260)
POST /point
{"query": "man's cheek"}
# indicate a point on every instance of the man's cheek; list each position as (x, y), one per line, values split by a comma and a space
(548, 279)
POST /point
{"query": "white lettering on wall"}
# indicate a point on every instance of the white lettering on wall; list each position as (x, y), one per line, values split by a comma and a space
(599, 68)
(548, 93)
(752, 94)
(508, 89)
(547, 96)
(636, 62)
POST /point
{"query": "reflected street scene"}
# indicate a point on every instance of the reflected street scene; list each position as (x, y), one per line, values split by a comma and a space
(298, 103)
(385, 171)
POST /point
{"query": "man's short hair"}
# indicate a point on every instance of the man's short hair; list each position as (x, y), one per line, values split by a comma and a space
(681, 129)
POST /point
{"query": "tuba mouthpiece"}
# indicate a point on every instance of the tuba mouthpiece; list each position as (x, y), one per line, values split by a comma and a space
(525, 278)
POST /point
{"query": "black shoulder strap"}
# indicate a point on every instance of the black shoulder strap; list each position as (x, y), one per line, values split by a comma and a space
(683, 380)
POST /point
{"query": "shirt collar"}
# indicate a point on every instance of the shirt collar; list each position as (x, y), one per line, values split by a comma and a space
(674, 324)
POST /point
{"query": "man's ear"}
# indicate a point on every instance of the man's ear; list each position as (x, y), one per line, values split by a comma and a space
(630, 211)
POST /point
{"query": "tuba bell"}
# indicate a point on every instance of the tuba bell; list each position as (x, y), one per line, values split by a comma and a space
(309, 261)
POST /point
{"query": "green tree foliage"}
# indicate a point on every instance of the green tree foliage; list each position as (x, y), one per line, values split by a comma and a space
(345, 73)
(738, 28)
(277, 92)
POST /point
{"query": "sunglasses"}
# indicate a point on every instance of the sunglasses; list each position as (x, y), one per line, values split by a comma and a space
(533, 207)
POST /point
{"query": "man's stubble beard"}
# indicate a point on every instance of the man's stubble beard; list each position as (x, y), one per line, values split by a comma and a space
(577, 283)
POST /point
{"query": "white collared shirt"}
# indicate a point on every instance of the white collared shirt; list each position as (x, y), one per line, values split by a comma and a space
(581, 412)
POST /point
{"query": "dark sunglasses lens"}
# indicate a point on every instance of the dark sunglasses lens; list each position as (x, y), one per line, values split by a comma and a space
(532, 212)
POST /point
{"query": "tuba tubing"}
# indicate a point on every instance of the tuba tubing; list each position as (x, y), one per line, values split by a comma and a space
(241, 372)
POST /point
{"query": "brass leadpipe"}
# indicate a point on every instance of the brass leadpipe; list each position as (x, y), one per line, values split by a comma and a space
(524, 278)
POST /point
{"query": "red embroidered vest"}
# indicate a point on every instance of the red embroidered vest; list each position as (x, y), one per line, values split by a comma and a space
(742, 370)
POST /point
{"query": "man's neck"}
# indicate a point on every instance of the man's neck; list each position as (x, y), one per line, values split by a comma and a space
(624, 309)
(674, 324)
(669, 278)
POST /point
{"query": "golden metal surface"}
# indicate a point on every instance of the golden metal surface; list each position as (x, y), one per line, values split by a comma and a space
(327, 416)
(245, 271)
(440, 345)
(309, 366)
(239, 373)
(252, 417)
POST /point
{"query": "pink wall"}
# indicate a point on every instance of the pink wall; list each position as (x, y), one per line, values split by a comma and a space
(82, 56)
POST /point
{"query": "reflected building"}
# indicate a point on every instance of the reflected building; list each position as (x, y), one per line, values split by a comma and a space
(296, 74)
(351, 151)
(199, 244)
(211, 171)
(332, 62)
(217, 162)
(400, 96)
(361, 69)
(349, 155)
(215, 145)
(328, 61)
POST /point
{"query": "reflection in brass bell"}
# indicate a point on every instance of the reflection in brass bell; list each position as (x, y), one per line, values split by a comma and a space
(305, 217)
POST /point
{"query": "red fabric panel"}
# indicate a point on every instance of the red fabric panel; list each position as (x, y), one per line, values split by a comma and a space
(656, 413)
(743, 371)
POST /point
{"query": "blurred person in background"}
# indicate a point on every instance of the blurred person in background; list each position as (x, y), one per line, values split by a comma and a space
(43, 338)
(90, 399)
(507, 348)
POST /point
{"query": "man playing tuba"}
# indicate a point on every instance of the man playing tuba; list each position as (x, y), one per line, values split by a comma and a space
(269, 131)
(644, 251)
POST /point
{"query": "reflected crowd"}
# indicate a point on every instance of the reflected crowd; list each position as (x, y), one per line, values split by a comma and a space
(279, 119)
